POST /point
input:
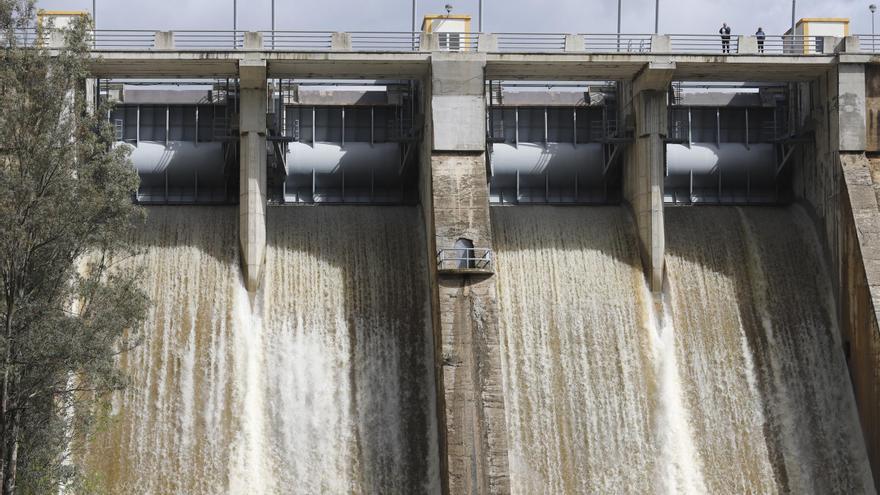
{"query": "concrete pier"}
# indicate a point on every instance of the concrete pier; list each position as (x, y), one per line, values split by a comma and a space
(473, 440)
(252, 187)
(644, 163)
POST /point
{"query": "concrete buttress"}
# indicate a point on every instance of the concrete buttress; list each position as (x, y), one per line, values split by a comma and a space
(473, 434)
(644, 165)
(252, 188)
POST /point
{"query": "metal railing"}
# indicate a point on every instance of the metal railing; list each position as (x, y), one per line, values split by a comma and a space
(793, 45)
(375, 41)
(297, 40)
(610, 43)
(208, 40)
(404, 41)
(464, 259)
(703, 43)
(128, 39)
(531, 42)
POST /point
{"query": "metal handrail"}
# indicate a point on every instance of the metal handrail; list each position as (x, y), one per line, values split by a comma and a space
(385, 41)
(793, 45)
(297, 40)
(703, 43)
(464, 258)
(531, 42)
(610, 42)
(208, 39)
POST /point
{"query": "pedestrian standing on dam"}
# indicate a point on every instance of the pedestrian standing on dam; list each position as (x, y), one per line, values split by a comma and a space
(725, 37)
(759, 34)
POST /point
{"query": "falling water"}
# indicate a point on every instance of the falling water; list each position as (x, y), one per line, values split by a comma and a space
(575, 322)
(737, 384)
(759, 353)
(320, 382)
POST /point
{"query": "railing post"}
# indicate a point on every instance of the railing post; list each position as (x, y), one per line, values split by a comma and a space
(340, 42)
(163, 40)
(661, 43)
(487, 42)
(56, 38)
(747, 44)
(429, 42)
(574, 43)
(253, 40)
(829, 44)
(849, 44)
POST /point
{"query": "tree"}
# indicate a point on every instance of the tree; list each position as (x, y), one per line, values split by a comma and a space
(65, 211)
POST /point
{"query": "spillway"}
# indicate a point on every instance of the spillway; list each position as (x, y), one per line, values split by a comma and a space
(735, 384)
(760, 360)
(574, 317)
(321, 382)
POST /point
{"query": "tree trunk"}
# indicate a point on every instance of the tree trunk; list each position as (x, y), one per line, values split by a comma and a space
(12, 457)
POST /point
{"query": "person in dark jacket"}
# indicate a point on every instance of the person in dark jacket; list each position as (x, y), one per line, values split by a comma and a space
(725, 37)
(760, 35)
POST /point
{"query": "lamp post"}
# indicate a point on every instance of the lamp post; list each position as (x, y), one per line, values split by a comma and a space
(657, 17)
(618, 23)
(480, 20)
(273, 24)
(872, 8)
(234, 23)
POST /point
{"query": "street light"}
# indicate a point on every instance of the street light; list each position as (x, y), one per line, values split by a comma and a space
(657, 17)
(618, 23)
(413, 30)
(872, 8)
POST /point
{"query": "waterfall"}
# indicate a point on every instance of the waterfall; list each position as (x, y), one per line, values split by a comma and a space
(733, 382)
(759, 353)
(320, 382)
(575, 323)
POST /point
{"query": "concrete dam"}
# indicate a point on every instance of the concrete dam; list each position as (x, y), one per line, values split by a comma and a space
(483, 263)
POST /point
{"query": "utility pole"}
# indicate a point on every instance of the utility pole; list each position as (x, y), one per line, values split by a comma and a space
(273, 24)
(234, 23)
(793, 5)
(480, 20)
(657, 17)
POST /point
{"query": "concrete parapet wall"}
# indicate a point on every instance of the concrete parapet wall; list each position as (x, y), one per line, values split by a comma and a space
(860, 249)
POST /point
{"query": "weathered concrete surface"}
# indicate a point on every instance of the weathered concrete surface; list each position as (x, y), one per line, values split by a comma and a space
(644, 165)
(860, 249)
(851, 107)
(470, 401)
(872, 107)
(252, 188)
(458, 106)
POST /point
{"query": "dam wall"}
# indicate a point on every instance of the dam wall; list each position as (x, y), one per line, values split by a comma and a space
(458, 347)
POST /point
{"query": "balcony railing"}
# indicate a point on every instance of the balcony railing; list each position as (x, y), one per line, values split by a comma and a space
(464, 259)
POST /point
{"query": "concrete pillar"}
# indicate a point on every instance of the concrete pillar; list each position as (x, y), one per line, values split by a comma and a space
(487, 42)
(340, 42)
(252, 189)
(253, 40)
(644, 166)
(428, 42)
(849, 44)
(747, 45)
(163, 40)
(661, 43)
(574, 43)
(455, 198)
(851, 120)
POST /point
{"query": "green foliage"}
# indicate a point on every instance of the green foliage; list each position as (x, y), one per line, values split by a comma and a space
(65, 205)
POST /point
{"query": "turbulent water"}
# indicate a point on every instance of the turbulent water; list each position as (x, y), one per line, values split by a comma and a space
(738, 385)
(576, 356)
(321, 382)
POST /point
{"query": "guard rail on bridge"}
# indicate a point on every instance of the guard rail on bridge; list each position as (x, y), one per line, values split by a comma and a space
(405, 41)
